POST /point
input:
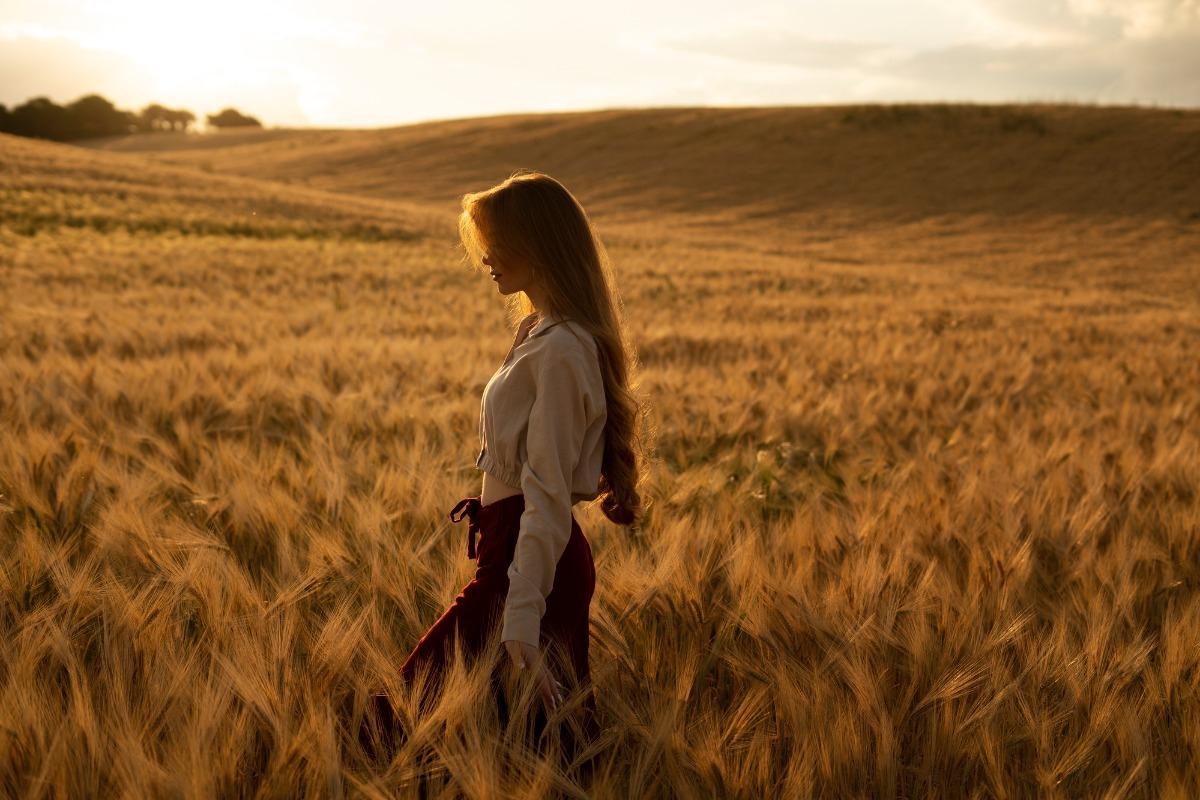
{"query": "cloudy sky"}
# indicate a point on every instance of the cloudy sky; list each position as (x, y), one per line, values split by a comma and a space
(375, 63)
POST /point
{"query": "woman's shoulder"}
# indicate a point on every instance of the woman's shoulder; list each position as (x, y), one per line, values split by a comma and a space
(569, 338)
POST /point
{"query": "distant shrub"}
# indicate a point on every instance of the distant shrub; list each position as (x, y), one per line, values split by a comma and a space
(952, 117)
(882, 116)
(1012, 120)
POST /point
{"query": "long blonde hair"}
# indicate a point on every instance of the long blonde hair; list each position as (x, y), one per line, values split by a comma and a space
(533, 218)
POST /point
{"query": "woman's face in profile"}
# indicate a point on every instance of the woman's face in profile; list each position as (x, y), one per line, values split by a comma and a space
(510, 275)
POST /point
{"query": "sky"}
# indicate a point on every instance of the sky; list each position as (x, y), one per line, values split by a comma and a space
(368, 63)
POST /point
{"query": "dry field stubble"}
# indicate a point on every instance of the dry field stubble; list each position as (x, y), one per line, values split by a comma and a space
(924, 513)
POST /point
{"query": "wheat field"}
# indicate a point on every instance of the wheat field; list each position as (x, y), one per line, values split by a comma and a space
(924, 517)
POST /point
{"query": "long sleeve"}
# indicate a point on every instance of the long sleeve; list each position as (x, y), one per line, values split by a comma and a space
(562, 409)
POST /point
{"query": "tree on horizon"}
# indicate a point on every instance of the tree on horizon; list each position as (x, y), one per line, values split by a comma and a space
(93, 116)
(156, 117)
(40, 117)
(232, 118)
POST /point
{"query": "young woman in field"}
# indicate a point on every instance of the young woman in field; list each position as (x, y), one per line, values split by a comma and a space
(560, 423)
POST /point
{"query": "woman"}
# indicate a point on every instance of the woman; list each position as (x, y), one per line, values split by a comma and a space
(560, 423)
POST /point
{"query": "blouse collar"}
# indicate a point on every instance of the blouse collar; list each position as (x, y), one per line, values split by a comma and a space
(545, 324)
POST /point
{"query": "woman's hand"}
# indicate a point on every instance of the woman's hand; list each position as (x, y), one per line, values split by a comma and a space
(526, 657)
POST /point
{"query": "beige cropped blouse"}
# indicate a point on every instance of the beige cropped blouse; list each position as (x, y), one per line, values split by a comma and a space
(541, 428)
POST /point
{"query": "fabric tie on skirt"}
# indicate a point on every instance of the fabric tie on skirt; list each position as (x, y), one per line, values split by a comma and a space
(471, 507)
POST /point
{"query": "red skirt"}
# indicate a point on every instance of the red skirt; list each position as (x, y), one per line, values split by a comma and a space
(476, 612)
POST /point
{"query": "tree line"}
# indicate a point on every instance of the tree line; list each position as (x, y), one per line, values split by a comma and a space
(93, 115)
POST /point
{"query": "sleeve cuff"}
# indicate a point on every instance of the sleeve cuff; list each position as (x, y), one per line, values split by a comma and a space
(521, 626)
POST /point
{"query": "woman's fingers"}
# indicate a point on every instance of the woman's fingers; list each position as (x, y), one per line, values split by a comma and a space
(527, 657)
(550, 687)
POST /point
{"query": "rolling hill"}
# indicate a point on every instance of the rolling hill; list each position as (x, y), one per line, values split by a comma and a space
(46, 186)
(1066, 196)
(871, 163)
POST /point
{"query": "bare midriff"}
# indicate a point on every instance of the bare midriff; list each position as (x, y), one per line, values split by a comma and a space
(495, 489)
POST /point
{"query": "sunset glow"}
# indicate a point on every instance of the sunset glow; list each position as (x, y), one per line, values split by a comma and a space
(363, 63)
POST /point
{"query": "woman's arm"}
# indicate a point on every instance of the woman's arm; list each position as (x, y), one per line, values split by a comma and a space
(563, 408)
(558, 419)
